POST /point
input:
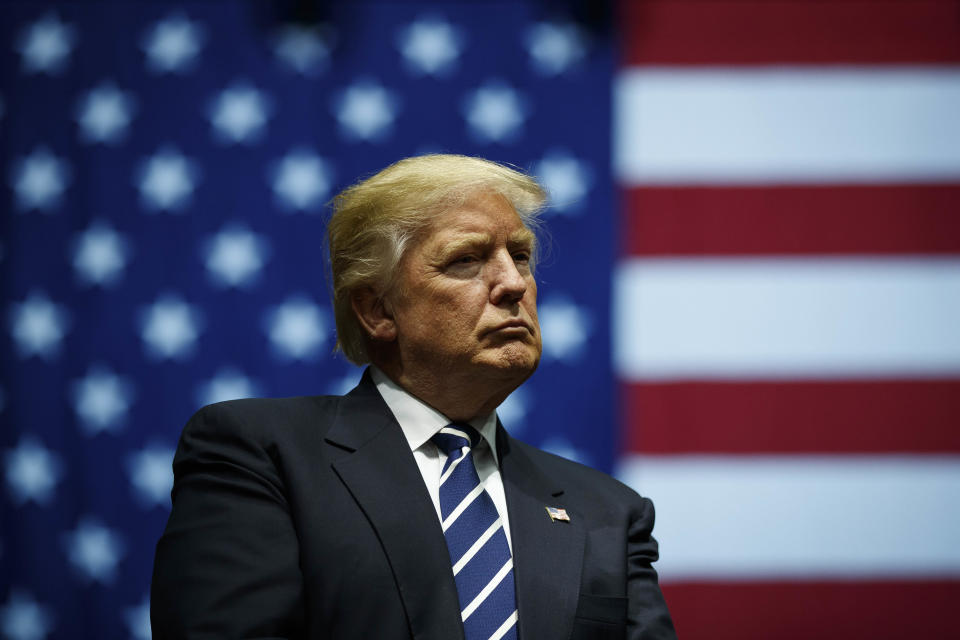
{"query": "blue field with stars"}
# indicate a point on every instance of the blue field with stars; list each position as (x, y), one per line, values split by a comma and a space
(166, 170)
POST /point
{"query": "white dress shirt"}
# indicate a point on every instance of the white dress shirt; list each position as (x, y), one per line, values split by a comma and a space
(420, 422)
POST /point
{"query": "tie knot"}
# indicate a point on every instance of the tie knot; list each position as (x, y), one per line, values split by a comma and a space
(455, 436)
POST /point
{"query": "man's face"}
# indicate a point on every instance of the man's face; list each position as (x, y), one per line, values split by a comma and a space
(467, 301)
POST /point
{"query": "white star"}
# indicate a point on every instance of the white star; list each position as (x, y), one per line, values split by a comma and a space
(23, 618)
(45, 45)
(562, 447)
(297, 328)
(172, 44)
(365, 111)
(430, 46)
(567, 181)
(239, 114)
(235, 256)
(104, 114)
(94, 550)
(306, 50)
(100, 255)
(226, 384)
(554, 48)
(39, 180)
(565, 328)
(138, 620)
(38, 326)
(32, 471)
(301, 180)
(151, 474)
(101, 400)
(167, 180)
(494, 113)
(169, 328)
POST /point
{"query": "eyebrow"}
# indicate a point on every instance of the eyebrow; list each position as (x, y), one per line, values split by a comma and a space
(522, 237)
(465, 241)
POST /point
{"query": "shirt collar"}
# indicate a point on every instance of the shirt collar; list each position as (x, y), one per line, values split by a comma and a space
(419, 421)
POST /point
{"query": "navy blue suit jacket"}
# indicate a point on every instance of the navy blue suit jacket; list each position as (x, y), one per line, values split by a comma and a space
(308, 518)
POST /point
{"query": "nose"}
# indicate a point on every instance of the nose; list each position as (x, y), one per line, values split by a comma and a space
(508, 284)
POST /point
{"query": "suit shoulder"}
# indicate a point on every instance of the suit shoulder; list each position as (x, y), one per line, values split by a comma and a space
(256, 417)
(577, 474)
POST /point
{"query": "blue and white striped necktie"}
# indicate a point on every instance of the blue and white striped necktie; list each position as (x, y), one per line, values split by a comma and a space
(479, 553)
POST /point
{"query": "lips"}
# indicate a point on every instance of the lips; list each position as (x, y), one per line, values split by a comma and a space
(511, 324)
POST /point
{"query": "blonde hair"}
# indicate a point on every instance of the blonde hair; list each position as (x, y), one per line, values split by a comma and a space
(374, 221)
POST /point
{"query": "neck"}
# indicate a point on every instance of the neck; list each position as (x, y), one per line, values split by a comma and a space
(460, 398)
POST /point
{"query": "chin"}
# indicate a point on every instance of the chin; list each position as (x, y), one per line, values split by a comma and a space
(518, 360)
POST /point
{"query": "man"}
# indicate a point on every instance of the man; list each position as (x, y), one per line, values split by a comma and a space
(404, 509)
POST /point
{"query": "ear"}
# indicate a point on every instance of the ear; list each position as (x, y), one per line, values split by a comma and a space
(374, 314)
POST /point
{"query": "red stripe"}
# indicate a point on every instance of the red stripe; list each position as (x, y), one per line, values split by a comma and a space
(823, 610)
(720, 32)
(792, 220)
(793, 417)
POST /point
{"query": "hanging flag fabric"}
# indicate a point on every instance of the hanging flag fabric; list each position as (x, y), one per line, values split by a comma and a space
(785, 311)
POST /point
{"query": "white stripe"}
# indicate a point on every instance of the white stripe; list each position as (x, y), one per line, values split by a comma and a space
(470, 497)
(787, 318)
(506, 626)
(455, 432)
(476, 546)
(453, 465)
(487, 590)
(795, 125)
(730, 517)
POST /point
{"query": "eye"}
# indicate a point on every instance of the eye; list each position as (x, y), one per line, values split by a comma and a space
(463, 265)
(521, 256)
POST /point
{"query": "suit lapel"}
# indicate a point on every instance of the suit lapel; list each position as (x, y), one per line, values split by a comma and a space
(548, 555)
(384, 479)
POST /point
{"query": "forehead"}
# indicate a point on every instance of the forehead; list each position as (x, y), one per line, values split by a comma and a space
(488, 214)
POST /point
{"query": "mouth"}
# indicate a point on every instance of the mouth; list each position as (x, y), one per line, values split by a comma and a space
(511, 327)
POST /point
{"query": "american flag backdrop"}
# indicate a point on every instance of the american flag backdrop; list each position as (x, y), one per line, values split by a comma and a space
(750, 297)
(166, 169)
(787, 311)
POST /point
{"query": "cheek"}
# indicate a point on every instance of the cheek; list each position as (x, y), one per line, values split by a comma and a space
(468, 300)
(452, 312)
(530, 302)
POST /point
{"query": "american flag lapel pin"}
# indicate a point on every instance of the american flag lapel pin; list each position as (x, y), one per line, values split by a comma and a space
(556, 513)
